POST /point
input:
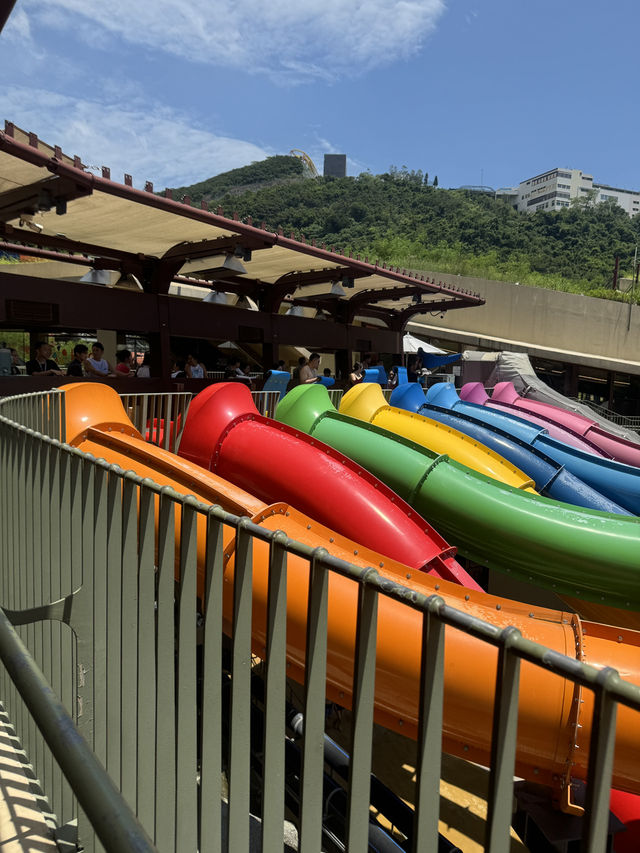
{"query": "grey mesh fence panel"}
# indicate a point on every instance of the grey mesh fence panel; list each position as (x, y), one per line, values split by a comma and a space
(139, 656)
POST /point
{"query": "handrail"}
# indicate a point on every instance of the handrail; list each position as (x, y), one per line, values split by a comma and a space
(630, 421)
(114, 822)
(132, 540)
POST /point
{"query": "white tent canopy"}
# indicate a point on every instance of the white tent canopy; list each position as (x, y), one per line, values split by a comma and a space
(411, 344)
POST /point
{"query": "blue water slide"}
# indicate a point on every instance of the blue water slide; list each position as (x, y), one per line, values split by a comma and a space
(277, 381)
(327, 381)
(615, 480)
(551, 477)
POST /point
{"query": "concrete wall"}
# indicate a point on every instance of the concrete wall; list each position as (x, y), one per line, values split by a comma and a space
(531, 318)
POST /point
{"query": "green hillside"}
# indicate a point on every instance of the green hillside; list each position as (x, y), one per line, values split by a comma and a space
(398, 218)
(263, 173)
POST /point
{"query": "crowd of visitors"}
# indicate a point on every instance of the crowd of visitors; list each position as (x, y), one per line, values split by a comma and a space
(91, 363)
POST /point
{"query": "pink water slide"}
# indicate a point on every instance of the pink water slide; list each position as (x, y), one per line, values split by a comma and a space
(474, 392)
(617, 448)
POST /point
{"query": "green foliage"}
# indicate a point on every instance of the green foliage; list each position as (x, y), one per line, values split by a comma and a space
(261, 173)
(396, 217)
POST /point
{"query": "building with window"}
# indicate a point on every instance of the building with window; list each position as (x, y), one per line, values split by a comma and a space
(556, 188)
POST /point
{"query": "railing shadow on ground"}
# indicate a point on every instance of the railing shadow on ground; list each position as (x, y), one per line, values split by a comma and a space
(24, 823)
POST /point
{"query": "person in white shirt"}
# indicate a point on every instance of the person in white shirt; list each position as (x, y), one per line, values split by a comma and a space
(97, 364)
(309, 371)
(194, 368)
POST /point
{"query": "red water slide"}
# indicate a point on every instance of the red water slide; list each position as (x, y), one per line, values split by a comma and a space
(225, 433)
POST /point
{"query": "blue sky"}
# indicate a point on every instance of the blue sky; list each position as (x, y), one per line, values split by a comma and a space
(174, 91)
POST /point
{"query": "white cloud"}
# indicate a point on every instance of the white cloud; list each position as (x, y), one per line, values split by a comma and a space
(311, 39)
(154, 143)
(17, 26)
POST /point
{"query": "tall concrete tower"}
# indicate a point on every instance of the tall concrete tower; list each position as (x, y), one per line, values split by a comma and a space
(335, 165)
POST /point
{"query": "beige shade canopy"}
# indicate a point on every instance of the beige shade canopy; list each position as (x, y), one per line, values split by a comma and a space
(68, 214)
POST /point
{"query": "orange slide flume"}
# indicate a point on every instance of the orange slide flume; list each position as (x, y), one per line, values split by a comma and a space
(554, 724)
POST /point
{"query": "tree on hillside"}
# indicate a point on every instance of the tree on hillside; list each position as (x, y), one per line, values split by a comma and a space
(396, 218)
(585, 199)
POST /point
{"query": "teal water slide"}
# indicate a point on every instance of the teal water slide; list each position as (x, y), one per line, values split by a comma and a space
(574, 551)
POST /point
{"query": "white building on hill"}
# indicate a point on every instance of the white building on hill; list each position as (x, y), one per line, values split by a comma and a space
(556, 188)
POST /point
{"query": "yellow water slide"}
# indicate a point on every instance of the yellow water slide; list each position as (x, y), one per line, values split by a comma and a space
(366, 402)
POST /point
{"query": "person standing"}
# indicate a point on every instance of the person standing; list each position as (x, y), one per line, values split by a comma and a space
(97, 364)
(42, 364)
(357, 374)
(76, 366)
(194, 368)
(144, 371)
(123, 366)
(309, 371)
(16, 362)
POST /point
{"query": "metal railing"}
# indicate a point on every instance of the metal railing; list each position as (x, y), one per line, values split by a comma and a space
(110, 815)
(266, 402)
(629, 421)
(160, 418)
(335, 395)
(116, 586)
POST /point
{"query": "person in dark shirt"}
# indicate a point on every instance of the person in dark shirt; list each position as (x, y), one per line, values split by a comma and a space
(42, 364)
(80, 353)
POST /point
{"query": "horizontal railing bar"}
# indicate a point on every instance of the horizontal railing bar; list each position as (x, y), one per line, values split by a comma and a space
(111, 817)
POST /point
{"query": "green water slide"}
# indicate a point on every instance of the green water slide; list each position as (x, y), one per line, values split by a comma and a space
(578, 552)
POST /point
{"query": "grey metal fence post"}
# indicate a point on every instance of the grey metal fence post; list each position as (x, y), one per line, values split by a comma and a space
(429, 746)
(364, 679)
(503, 745)
(240, 713)
(210, 805)
(314, 706)
(275, 691)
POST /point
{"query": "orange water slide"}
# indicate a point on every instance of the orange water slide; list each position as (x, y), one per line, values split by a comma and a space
(554, 724)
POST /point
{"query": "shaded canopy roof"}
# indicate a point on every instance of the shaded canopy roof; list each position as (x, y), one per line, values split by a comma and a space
(50, 202)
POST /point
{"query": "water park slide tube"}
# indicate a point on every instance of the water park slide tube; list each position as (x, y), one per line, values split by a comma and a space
(366, 402)
(550, 477)
(615, 480)
(516, 367)
(554, 724)
(474, 392)
(573, 551)
(617, 448)
(225, 434)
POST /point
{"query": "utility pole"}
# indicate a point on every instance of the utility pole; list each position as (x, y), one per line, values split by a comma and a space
(634, 280)
(614, 284)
